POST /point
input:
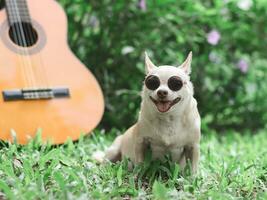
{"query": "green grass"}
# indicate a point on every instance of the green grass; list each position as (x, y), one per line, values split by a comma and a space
(232, 167)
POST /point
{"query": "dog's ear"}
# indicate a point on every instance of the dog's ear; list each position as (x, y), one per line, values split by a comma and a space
(148, 63)
(186, 66)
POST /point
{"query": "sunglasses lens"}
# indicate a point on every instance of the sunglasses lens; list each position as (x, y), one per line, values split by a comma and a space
(152, 82)
(175, 83)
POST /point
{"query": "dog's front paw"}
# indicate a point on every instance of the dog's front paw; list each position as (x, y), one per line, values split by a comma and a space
(99, 156)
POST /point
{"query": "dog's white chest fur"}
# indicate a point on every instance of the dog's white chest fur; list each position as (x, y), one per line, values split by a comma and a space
(166, 135)
(165, 132)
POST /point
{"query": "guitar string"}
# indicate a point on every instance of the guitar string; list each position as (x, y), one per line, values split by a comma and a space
(30, 39)
(37, 95)
(42, 73)
(21, 42)
(28, 58)
(17, 38)
(25, 53)
(40, 67)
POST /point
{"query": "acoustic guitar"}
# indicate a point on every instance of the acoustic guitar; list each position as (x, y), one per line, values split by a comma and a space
(43, 86)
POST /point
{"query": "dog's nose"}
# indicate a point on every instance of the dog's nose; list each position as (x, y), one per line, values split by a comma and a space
(162, 93)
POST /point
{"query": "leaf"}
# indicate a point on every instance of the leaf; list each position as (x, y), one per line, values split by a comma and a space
(65, 160)
(159, 191)
(166, 170)
(50, 155)
(27, 168)
(60, 180)
(6, 189)
(119, 175)
(8, 169)
(153, 170)
(175, 171)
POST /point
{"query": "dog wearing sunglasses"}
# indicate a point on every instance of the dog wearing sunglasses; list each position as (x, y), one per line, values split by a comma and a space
(168, 121)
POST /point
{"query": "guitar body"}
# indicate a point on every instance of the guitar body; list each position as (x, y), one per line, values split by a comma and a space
(47, 63)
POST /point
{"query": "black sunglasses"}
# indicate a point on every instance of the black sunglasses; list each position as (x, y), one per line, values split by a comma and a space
(152, 82)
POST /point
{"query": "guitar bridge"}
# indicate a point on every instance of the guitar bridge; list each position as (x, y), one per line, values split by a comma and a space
(35, 94)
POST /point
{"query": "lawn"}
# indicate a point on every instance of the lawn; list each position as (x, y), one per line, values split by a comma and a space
(233, 166)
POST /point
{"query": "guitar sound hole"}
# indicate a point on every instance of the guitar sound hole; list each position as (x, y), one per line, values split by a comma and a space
(2, 4)
(23, 34)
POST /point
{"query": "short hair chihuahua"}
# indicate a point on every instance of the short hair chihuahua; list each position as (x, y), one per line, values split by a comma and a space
(168, 120)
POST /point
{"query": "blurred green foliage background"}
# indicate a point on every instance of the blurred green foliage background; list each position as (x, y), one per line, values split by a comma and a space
(228, 39)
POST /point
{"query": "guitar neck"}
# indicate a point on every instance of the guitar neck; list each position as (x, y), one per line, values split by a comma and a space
(17, 11)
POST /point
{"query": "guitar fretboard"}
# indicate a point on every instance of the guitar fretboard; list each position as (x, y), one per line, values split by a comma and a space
(17, 11)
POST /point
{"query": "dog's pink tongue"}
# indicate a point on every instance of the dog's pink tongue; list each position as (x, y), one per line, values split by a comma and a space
(163, 106)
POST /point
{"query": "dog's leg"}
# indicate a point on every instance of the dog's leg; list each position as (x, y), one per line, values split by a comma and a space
(192, 153)
(182, 162)
(195, 157)
(139, 149)
(113, 153)
(178, 156)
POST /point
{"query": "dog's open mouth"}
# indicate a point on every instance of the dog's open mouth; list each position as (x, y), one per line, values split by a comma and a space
(164, 106)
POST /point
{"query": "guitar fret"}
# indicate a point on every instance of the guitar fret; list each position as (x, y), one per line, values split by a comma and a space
(17, 11)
